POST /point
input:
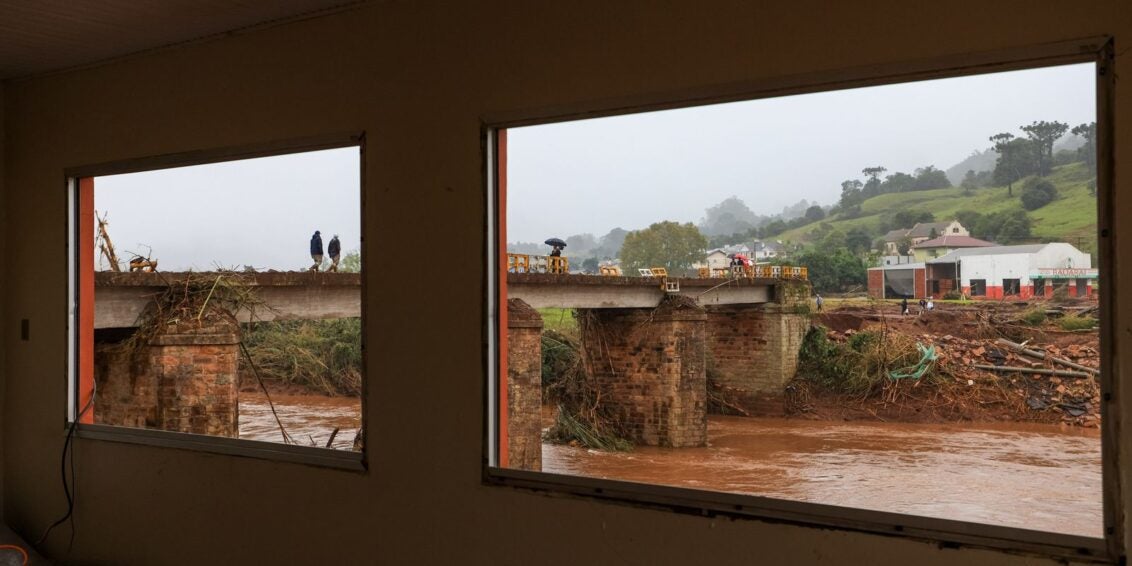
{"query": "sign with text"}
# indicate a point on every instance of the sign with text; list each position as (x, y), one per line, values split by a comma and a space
(1065, 273)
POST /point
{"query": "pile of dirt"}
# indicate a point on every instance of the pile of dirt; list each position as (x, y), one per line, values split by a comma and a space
(959, 391)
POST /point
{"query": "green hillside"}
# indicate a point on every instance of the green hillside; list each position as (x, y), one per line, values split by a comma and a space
(1071, 218)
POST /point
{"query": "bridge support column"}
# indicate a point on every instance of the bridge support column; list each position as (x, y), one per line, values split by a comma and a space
(524, 386)
(648, 365)
(753, 349)
(184, 379)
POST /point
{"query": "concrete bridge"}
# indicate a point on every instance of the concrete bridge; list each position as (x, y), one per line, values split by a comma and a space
(541, 290)
(649, 345)
(121, 298)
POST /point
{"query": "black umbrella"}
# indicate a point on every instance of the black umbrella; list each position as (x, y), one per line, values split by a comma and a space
(555, 242)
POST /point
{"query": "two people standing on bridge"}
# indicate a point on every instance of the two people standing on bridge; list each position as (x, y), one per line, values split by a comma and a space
(334, 250)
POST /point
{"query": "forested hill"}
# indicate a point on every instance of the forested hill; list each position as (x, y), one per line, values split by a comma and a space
(992, 213)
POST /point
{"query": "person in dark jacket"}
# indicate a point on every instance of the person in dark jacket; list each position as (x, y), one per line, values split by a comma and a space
(334, 250)
(316, 250)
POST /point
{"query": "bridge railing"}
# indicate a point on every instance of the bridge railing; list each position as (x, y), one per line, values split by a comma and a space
(527, 263)
(756, 272)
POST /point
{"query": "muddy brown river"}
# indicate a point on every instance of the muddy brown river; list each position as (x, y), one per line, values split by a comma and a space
(1041, 477)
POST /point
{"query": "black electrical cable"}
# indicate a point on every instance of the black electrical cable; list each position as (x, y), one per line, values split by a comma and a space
(67, 489)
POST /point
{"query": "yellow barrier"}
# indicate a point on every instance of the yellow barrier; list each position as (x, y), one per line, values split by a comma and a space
(526, 263)
(756, 271)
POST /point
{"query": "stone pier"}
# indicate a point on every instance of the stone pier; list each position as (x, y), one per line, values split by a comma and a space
(182, 379)
(754, 348)
(524, 386)
(649, 368)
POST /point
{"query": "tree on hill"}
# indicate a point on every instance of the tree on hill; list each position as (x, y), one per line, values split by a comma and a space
(1005, 227)
(897, 183)
(728, 217)
(609, 246)
(872, 186)
(667, 244)
(1037, 192)
(1088, 151)
(814, 214)
(1043, 134)
(850, 193)
(1016, 159)
(970, 181)
(773, 228)
(928, 178)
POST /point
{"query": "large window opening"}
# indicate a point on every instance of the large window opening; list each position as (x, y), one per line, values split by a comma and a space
(724, 312)
(223, 299)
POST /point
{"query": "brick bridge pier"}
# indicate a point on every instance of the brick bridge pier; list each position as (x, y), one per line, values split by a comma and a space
(651, 364)
(184, 377)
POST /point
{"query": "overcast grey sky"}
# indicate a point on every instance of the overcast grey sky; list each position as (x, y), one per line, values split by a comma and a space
(258, 212)
(630, 171)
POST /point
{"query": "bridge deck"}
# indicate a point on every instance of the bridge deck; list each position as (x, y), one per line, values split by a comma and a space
(120, 298)
(592, 291)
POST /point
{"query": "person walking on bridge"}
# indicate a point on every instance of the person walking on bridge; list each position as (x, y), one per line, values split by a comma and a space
(316, 250)
(334, 250)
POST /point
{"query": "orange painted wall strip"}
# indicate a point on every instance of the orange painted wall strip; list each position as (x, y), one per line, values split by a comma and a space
(501, 215)
(86, 297)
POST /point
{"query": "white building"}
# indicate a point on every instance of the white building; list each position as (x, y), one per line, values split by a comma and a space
(1012, 271)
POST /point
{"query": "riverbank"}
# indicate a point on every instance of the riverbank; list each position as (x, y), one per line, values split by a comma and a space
(968, 340)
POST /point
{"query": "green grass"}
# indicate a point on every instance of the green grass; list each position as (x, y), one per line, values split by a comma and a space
(560, 320)
(1071, 218)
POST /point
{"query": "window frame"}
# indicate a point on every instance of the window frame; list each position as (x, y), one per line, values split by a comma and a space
(946, 532)
(309, 455)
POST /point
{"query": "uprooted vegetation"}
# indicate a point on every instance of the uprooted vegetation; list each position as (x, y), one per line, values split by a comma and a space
(321, 355)
(581, 417)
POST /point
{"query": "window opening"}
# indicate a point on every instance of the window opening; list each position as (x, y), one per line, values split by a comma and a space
(771, 344)
(224, 299)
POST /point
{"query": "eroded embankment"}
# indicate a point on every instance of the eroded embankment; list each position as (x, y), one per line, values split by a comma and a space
(865, 345)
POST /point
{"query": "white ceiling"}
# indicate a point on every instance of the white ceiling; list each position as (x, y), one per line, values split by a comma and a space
(38, 36)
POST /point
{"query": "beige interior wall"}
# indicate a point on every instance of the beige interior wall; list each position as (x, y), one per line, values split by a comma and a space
(3, 319)
(417, 78)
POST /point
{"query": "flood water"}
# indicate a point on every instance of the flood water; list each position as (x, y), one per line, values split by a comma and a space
(309, 419)
(1040, 477)
(1029, 476)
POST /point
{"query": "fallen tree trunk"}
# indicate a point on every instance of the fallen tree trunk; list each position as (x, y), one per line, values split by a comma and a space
(1041, 371)
(1044, 356)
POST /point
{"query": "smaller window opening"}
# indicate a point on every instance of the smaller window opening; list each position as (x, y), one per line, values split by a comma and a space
(978, 287)
(1010, 287)
(238, 315)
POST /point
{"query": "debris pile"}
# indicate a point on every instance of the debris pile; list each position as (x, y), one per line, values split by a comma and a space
(1037, 382)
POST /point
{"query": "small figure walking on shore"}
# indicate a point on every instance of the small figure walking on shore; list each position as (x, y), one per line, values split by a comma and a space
(904, 306)
(819, 301)
(923, 305)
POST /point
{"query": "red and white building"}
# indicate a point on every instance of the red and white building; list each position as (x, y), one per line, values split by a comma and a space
(1012, 271)
(994, 272)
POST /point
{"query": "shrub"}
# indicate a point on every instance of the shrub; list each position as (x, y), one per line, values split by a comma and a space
(1037, 193)
(1074, 322)
(952, 296)
(1033, 317)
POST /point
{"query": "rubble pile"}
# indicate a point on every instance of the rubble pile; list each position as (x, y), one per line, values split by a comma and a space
(1073, 398)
